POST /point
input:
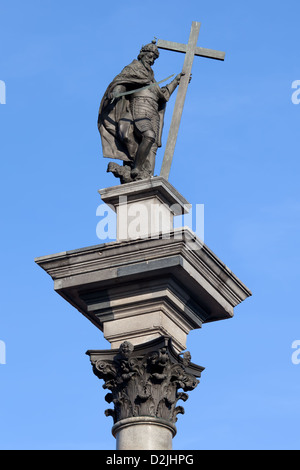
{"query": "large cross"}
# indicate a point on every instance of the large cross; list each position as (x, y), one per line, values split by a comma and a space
(190, 51)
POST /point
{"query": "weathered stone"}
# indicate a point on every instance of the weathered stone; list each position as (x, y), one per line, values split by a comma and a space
(144, 433)
(140, 290)
(145, 208)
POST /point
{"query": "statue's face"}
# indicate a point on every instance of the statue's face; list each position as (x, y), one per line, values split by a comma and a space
(126, 348)
(149, 58)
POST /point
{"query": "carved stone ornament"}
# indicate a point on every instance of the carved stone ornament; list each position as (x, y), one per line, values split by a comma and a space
(145, 380)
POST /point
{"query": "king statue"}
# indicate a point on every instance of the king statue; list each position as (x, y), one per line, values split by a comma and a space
(131, 117)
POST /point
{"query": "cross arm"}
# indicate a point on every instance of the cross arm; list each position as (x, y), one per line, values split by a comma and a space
(199, 51)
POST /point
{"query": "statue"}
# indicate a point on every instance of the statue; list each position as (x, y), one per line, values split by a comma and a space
(132, 110)
(131, 117)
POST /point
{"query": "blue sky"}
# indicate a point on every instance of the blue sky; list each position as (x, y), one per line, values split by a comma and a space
(237, 153)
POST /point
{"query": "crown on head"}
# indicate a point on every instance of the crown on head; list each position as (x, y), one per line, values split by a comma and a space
(152, 47)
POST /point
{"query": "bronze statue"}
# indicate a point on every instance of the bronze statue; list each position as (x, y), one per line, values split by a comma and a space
(131, 117)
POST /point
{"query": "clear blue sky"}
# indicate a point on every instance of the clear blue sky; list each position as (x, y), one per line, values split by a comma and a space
(237, 153)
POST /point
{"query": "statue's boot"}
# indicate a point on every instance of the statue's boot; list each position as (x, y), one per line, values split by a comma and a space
(141, 156)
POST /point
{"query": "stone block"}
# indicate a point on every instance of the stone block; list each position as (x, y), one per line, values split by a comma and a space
(141, 289)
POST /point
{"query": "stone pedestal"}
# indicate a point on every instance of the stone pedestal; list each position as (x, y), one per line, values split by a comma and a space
(142, 289)
(154, 283)
(144, 208)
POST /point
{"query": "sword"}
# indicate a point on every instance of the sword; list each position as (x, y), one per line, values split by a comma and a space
(118, 95)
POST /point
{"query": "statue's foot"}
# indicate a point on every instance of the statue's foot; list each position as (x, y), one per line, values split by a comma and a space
(122, 172)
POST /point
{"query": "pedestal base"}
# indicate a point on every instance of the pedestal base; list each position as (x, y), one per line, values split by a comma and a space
(161, 282)
(144, 208)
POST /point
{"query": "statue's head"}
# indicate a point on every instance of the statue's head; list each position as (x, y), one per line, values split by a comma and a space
(149, 53)
(126, 349)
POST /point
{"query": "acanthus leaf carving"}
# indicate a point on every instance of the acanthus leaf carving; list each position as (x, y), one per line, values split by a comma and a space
(145, 384)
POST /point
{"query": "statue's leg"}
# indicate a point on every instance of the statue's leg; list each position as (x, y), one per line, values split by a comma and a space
(149, 165)
(142, 156)
(126, 136)
(146, 124)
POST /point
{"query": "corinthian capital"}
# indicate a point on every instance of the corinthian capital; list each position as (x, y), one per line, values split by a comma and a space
(145, 380)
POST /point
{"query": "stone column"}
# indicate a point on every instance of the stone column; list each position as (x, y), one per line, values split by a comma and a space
(144, 384)
(151, 285)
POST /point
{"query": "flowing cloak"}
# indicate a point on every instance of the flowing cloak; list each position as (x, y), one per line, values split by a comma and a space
(133, 76)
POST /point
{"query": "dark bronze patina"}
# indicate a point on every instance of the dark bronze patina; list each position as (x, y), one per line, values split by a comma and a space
(146, 380)
(132, 110)
(131, 117)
